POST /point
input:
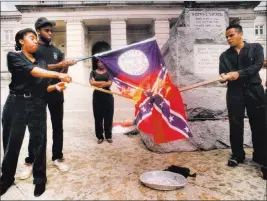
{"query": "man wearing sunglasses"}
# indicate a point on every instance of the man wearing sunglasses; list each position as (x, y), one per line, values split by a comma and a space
(55, 60)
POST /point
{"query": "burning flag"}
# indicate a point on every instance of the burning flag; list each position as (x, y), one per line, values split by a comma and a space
(139, 72)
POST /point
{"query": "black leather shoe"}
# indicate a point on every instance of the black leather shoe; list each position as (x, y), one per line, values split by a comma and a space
(234, 161)
(258, 159)
(99, 141)
(4, 187)
(109, 140)
(39, 189)
(264, 173)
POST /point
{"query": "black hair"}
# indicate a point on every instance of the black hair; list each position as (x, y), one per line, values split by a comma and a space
(20, 35)
(235, 26)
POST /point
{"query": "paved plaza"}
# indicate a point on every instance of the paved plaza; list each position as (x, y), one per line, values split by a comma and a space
(111, 171)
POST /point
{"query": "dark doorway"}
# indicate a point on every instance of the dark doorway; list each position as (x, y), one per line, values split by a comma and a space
(99, 47)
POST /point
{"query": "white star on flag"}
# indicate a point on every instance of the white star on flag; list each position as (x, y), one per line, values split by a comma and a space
(186, 129)
(143, 109)
(161, 104)
(171, 118)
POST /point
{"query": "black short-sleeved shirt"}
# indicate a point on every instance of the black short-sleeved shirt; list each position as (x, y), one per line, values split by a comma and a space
(51, 55)
(100, 77)
(21, 79)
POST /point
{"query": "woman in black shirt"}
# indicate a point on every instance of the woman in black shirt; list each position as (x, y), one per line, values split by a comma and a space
(103, 103)
(26, 106)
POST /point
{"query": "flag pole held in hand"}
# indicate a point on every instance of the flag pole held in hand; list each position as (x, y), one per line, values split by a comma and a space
(103, 90)
(186, 88)
(85, 58)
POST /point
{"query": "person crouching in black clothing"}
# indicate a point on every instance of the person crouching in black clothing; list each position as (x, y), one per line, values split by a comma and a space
(26, 106)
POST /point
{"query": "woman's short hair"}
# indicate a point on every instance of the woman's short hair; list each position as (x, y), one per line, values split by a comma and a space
(20, 35)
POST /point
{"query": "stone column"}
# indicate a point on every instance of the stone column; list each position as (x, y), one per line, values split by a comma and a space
(75, 48)
(247, 23)
(88, 62)
(162, 31)
(118, 33)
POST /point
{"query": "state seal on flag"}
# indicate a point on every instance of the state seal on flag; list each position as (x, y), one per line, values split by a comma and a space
(133, 62)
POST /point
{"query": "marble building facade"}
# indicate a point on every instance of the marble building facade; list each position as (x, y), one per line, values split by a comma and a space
(82, 27)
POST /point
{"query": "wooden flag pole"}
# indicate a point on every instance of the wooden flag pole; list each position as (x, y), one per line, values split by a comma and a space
(213, 80)
(103, 90)
(186, 88)
(110, 92)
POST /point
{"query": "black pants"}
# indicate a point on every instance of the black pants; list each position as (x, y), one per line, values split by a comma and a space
(103, 108)
(18, 112)
(56, 109)
(251, 98)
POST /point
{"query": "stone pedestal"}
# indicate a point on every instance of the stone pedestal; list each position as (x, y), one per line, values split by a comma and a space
(208, 135)
(198, 54)
(206, 18)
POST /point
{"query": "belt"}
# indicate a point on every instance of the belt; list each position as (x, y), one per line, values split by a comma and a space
(25, 95)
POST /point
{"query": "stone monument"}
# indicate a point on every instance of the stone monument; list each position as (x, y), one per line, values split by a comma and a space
(192, 55)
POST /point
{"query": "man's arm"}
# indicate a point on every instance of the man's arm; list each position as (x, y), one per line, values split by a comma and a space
(256, 67)
(223, 69)
(61, 64)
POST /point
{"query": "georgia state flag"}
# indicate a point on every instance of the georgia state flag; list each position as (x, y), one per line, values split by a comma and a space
(139, 71)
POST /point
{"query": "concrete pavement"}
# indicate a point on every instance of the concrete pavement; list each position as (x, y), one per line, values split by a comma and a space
(111, 171)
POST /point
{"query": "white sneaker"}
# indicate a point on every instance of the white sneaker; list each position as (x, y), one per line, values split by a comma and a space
(27, 172)
(61, 166)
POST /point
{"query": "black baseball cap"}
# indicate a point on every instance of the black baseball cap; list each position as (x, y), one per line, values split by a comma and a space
(43, 21)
